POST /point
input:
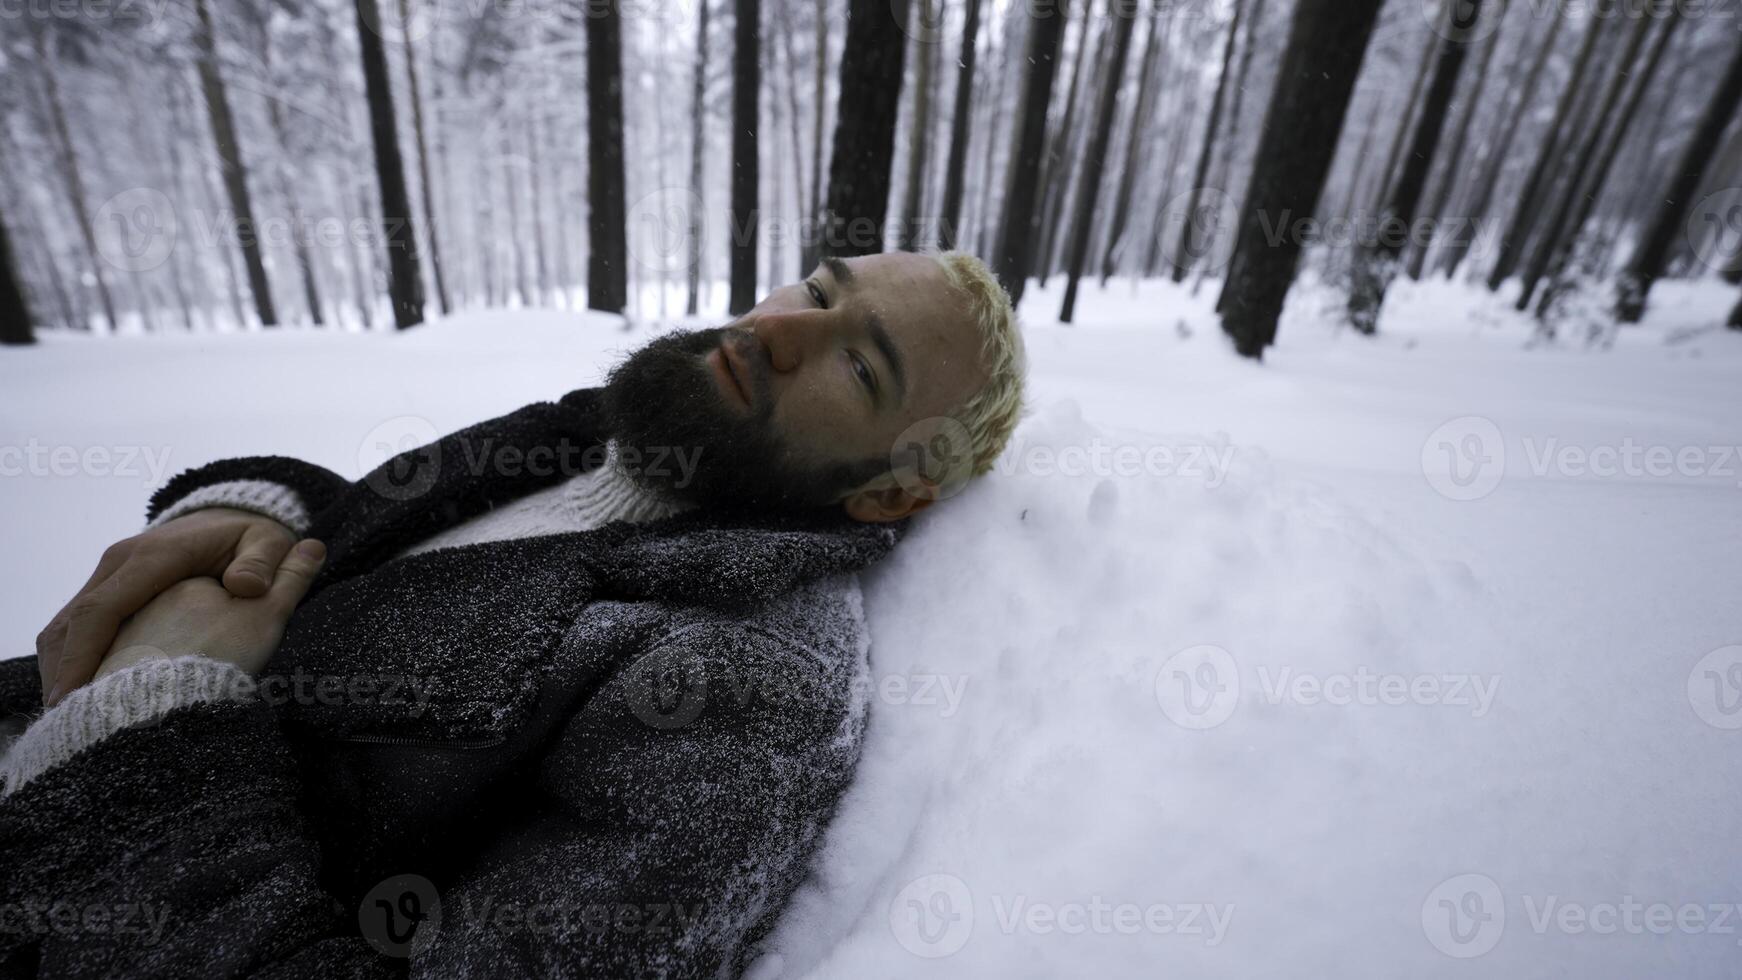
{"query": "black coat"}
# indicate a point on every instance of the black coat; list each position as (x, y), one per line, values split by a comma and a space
(603, 754)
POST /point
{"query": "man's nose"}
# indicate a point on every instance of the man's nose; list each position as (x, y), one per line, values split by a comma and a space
(789, 338)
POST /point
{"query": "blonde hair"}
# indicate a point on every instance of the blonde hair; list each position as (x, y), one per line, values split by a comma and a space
(990, 414)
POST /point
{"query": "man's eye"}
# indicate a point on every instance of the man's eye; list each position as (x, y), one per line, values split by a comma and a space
(863, 372)
(817, 295)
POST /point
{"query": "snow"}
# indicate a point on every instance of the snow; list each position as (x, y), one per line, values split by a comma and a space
(1228, 670)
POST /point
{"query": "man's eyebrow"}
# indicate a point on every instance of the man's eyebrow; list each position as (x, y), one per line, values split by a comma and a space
(838, 269)
(891, 353)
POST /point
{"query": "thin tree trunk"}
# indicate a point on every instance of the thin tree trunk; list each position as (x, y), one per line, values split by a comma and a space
(1095, 161)
(1134, 142)
(230, 160)
(1735, 321)
(1253, 25)
(1375, 266)
(311, 294)
(919, 136)
(1056, 168)
(417, 128)
(608, 257)
(1013, 253)
(955, 171)
(1000, 71)
(696, 209)
(1647, 264)
(1327, 44)
(1455, 152)
(864, 146)
(819, 108)
(16, 325)
(75, 182)
(405, 278)
(1405, 124)
(1514, 238)
(1499, 152)
(746, 162)
(1567, 201)
(1576, 206)
(794, 126)
(1188, 243)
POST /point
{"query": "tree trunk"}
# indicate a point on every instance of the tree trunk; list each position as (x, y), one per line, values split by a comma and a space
(919, 135)
(794, 128)
(1253, 25)
(1188, 243)
(819, 107)
(1514, 238)
(75, 182)
(870, 102)
(1133, 143)
(746, 163)
(1375, 265)
(1499, 152)
(1735, 322)
(1327, 44)
(1000, 70)
(404, 278)
(696, 209)
(1581, 196)
(16, 326)
(1647, 264)
(1124, 14)
(1455, 152)
(1550, 241)
(1403, 125)
(1013, 253)
(281, 168)
(230, 164)
(608, 256)
(417, 128)
(1055, 169)
(955, 171)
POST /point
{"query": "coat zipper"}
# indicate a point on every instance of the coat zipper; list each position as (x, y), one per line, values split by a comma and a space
(409, 741)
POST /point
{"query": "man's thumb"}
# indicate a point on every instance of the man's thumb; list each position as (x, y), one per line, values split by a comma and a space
(297, 572)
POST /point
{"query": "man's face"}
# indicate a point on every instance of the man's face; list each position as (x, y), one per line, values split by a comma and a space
(801, 399)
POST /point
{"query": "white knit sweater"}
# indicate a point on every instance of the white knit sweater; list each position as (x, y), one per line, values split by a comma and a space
(145, 692)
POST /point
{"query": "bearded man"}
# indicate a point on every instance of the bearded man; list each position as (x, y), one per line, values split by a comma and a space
(572, 692)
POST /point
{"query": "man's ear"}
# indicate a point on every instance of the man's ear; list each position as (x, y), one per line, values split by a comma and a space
(883, 506)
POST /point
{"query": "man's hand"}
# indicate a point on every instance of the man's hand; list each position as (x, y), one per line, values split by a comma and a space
(198, 616)
(242, 548)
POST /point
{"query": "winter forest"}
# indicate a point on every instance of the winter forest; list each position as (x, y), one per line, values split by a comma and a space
(1356, 595)
(204, 164)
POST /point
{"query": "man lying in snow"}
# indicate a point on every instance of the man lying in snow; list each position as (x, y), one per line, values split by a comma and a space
(570, 692)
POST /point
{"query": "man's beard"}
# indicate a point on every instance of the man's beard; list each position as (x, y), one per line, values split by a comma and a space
(677, 436)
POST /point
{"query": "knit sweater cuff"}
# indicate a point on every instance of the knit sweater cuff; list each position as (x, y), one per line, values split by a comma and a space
(139, 695)
(273, 500)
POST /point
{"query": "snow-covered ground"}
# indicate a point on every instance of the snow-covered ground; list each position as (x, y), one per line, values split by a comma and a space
(1413, 656)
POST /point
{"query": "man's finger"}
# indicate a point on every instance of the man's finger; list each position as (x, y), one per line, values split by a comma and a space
(95, 617)
(296, 573)
(52, 640)
(258, 554)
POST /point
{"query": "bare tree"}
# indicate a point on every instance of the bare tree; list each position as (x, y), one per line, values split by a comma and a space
(746, 163)
(426, 185)
(1376, 262)
(1188, 243)
(955, 171)
(1151, 66)
(230, 162)
(1327, 44)
(71, 172)
(607, 221)
(1671, 213)
(16, 325)
(919, 138)
(694, 213)
(1012, 255)
(1124, 14)
(870, 99)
